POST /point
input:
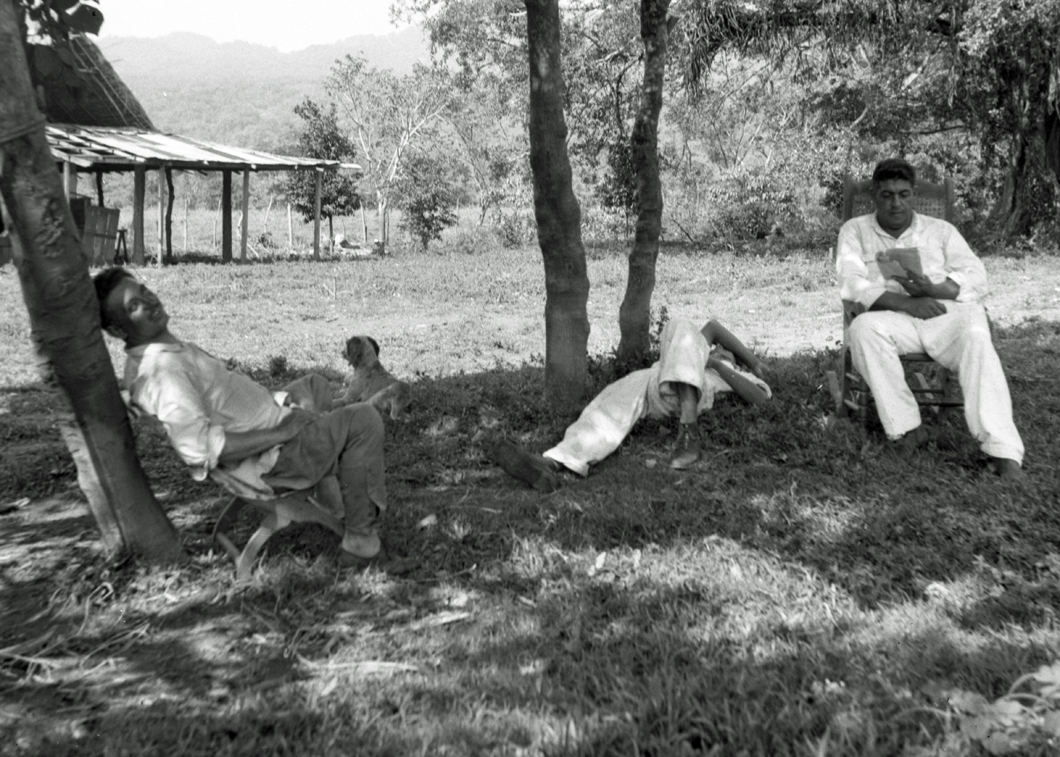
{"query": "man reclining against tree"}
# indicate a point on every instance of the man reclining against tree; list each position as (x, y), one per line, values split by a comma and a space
(936, 311)
(694, 365)
(225, 425)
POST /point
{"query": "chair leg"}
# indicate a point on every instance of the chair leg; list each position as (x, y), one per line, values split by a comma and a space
(250, 552)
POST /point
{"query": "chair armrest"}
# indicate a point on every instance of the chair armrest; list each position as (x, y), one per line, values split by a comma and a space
(851, 310)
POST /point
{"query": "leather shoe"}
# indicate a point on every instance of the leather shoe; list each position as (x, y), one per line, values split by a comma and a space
(687, 448)
(537, 471)
(350, 560)
(1006, 469)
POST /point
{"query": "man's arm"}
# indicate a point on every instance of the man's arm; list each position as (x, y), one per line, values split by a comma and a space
(715, 333)
(239, 445)
(744, 387)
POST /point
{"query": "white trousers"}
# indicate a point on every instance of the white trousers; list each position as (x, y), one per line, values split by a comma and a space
(959, 340)
(608, 419)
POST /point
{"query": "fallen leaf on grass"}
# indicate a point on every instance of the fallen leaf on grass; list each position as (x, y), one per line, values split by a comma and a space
(441, 619)
(364, 667)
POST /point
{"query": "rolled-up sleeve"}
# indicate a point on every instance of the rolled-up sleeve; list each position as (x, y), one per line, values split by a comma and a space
(851, 269)
(964, 267)
(173, 397)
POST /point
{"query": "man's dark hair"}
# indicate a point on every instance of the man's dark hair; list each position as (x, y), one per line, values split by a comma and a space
(893, 169)
(105, 282)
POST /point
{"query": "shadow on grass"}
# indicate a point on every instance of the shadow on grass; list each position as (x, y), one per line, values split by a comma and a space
(640, 608)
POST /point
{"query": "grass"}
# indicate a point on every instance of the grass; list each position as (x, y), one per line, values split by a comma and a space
(804, 591)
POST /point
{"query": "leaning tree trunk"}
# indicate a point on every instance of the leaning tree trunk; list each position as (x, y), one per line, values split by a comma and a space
(634, 317)
(557, 213)
(64, 319)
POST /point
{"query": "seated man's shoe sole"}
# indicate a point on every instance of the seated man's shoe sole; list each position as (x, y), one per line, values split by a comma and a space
(350, 560)
(537, 471)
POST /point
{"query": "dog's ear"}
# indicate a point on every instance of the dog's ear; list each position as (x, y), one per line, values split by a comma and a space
(375, 345)
(352, 351)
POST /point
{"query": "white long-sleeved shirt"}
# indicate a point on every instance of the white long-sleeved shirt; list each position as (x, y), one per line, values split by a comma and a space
(197, 399)
(943, 254)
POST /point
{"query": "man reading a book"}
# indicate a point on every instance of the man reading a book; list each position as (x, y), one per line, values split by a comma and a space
(921, 286)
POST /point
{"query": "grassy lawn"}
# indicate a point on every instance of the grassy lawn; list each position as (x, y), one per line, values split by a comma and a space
(805, 590)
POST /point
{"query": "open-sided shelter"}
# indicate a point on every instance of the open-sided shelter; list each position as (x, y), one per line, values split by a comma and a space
(96, 125)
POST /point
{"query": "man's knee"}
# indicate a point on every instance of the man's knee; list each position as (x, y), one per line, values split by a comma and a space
(865, 328)
(364, 419)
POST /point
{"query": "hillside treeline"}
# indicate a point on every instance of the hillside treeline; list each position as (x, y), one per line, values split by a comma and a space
(765, 109)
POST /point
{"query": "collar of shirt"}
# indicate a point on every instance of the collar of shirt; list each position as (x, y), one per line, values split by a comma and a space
(915, 227)
(143, 349)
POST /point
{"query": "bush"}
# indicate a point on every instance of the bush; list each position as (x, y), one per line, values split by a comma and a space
(427, 213)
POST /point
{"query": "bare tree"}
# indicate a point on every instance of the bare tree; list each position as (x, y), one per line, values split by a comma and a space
(386, 114)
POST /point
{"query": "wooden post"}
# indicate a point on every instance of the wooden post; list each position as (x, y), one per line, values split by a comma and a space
(169, 214)
(226, 216)
(185, 222)
(246, 215)
(213, 239)
(161, 214)
(290, 229)
(316, 215)
(70, 180)
(99, 188)
(139, 190)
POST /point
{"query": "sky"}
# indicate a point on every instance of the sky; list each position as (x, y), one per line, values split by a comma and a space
(284, 24)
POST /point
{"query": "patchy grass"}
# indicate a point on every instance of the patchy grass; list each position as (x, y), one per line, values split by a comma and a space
(803, 591)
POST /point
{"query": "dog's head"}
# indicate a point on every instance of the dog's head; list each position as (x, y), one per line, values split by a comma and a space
(361, 351)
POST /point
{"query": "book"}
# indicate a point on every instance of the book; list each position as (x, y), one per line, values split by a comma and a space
(897, 261)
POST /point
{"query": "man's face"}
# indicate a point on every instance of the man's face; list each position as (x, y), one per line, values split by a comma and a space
(137, 312)
(894, 205)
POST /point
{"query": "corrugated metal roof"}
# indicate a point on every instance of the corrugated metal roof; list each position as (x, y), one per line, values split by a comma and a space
(117, 149)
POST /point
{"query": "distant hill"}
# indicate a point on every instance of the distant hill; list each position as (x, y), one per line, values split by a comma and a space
(241, 93)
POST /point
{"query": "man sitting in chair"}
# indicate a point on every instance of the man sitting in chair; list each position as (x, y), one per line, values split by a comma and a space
(936, 312)
(225, 425)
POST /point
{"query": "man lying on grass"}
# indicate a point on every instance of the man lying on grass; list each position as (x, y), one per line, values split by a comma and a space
(936, 310)
(227, 426)
(694, 365)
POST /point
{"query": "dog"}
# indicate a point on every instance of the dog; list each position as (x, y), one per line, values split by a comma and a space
(370, 382)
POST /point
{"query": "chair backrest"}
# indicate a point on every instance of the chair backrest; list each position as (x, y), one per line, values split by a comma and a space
(929, 199)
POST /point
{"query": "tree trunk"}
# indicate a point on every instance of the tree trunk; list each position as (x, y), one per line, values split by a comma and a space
(1031, 190)
(557, 213)
(64, 318)
(634, 317)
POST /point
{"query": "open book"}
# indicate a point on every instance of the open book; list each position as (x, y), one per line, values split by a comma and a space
(898, 260)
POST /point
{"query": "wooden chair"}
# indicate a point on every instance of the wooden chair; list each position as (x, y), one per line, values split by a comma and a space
(851, 393)
(277, 513)
(321, 504)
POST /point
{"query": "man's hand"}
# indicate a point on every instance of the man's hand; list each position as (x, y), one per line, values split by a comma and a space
(916, 284)
(923, 307)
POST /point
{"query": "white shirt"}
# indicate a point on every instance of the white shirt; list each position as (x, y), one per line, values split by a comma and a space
(943, 254)
(197, 399)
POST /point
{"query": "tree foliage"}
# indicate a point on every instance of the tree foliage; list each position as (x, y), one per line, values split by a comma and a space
(988, 67)
(428, 200)
(321, 137)
(386, 116)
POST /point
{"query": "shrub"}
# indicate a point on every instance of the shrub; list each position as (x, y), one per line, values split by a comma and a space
(427, 213)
